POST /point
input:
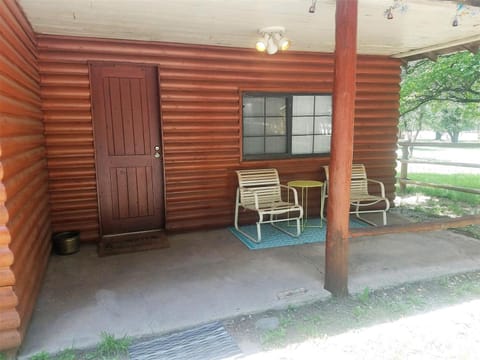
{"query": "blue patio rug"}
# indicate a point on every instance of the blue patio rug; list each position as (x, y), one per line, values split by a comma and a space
(272, 237)
(206, 342)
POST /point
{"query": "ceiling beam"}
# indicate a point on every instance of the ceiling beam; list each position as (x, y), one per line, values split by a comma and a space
(432, 55)
(440, 49)
(473, 48)
(466, 2)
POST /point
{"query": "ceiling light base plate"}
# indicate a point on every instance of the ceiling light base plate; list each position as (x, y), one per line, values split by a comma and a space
(272, 29)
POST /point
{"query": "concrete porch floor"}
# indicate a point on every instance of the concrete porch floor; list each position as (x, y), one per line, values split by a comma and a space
(206, 276)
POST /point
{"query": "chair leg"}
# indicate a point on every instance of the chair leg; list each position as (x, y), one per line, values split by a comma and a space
(236, 210)
(387, 206)
(357, 208)
(259, 232)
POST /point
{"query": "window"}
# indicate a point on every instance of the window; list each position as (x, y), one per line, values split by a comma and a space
(280, 125)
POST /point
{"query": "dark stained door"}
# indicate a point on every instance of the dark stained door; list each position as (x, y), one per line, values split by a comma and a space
(127, 147)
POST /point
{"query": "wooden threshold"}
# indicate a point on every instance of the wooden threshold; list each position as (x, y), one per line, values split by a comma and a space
(132, 242)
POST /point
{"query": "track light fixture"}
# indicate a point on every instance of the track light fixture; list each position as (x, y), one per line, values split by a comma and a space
(397, 5)
(272, 39)
(455, 21)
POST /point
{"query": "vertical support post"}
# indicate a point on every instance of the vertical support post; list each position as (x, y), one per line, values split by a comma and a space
(404, 168)
(336, 250)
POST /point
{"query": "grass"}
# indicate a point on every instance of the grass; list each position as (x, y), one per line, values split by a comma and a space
(462, 180)
(109, 348)
(441, 202)
(67, 354)
(41, 356)
(364, 296)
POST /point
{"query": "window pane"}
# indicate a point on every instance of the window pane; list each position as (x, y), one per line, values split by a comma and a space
(276, 106)
(253, 145)
(302, 144)
(275, 126)
(303, 105)
(276, 144)
(302, 125)
(322, 144)
(253, 106)
(253, 126)
(323, 105)
(323, 125)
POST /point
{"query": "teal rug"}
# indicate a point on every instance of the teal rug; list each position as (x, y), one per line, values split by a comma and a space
(272, 237)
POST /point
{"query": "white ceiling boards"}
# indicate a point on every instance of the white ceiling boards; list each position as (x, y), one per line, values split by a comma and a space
(419, 27)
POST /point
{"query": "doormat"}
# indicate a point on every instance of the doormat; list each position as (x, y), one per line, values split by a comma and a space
(133, 242)
(206, 342)
(272, 237)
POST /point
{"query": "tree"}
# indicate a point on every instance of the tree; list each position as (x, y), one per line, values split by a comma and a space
(412, 123)
(449, 87)
(454, 78)
(455, 118)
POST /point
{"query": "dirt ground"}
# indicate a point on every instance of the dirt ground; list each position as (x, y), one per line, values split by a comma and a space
(436, 319)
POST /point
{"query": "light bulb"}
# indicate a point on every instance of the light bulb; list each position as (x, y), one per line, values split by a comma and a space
(282, 42)
(260, 45)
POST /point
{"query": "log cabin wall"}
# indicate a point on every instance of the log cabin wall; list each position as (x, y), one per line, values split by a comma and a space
(24, 212)
(200, 99)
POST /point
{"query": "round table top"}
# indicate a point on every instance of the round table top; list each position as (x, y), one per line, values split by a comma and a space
(305, 183)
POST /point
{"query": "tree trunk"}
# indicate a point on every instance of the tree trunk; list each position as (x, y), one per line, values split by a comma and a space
(454, 135)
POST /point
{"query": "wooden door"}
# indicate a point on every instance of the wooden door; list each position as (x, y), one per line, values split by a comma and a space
(128, 147)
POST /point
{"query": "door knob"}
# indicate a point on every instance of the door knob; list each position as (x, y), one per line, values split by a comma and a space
(157, 152)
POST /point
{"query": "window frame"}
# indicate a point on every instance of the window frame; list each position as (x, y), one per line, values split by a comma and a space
(289, 125)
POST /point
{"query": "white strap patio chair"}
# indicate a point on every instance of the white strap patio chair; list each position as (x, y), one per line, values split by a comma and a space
(260, 190)
(360, 198)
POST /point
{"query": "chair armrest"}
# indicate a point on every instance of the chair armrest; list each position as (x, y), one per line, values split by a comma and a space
(382, 187)
(255, 197)
(295, 194)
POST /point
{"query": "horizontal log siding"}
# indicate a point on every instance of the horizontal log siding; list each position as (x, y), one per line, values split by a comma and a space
(200, 91)
(24, 212)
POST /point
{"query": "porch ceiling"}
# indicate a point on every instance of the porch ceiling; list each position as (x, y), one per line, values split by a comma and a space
(425, 27)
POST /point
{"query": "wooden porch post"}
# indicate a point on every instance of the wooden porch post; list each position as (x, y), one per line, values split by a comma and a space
(336, 250)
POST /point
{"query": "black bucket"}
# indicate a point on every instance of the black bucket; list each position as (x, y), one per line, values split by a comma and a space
(66, 242)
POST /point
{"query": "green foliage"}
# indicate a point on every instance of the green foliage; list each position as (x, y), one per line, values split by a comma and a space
(364, 296)
(413, 122)
(41, 356)
(360, 312)
(274, 337)
(453, 78)
(111, 347)
(462, 180)
(3, 356)
(442, 95)
(454, 118)
(67, 354)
